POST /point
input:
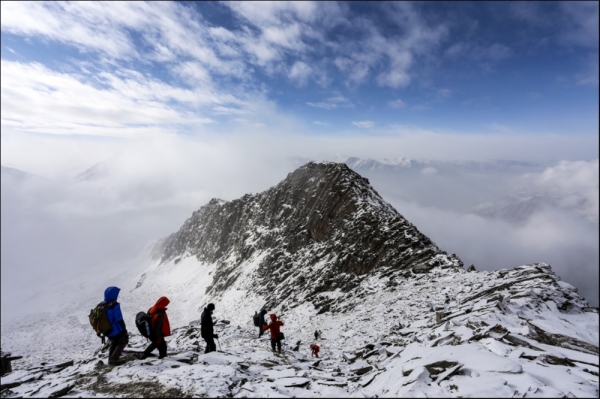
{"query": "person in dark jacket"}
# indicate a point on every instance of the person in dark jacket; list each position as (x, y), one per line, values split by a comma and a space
(159, 328)
(261, 322)
(275, 327)
(206, 328)
(117, 336)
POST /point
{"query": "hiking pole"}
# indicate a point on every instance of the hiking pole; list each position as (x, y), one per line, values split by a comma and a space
(219, 345)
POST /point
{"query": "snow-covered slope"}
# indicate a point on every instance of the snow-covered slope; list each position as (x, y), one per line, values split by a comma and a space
(399, 316)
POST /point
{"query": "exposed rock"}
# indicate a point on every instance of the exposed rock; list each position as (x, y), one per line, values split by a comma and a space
(60, 390)
(5, 359)
(321, 211)
(439, 367)
(562, 340)
(360, 370)
(290, 382)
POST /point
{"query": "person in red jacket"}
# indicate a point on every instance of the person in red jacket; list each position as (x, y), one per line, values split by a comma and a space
(274, 326)
(315, 349)
(159, 328)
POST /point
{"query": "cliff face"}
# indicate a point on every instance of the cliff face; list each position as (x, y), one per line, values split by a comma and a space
(322, 228)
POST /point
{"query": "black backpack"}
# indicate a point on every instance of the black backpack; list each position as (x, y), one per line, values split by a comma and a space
(142, 321)
(255, 317)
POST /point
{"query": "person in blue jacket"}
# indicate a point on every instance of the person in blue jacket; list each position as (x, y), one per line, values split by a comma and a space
(117, 336)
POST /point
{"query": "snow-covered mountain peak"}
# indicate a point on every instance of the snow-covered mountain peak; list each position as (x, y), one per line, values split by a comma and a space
(322, 228)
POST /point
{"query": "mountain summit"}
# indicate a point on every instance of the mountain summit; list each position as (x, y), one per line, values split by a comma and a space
(322, 228)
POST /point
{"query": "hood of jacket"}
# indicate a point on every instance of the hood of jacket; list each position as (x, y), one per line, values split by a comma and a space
(111, 294)
(161, 304)
(273, 317)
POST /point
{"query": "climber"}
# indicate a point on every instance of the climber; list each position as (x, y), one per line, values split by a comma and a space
(206, 328)
(117, 336)
(261, 321)
(276, 334)
(159, 327)
(315, 350)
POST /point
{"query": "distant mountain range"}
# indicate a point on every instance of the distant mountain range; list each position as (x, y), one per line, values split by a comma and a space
(403, 164)
(16, 174)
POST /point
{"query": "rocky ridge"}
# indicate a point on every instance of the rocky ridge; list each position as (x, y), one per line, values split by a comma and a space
(322, 228)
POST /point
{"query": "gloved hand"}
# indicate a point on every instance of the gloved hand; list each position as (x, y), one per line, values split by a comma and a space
(215, 336)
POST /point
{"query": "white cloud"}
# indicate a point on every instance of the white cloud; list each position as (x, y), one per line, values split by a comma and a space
(494, 52)
(127, 103)
(457, 50)
(395, 77)
(589, 76)
(364, 124)
(168, 29)
(356, 71)
(332, 103)
(279, 38)
(70, 23)
(569, 244)
(398, 103)
(580, 24)
(300, 72)
(321, 123)
(444, 93)
(429, 171)
(576, 184)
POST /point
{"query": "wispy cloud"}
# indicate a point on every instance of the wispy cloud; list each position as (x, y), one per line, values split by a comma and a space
(480, 53)
(579, 24)
(590, 73)
(332, 103)
(398, 103)
(300, 72)
(123, 105)
(364, 124)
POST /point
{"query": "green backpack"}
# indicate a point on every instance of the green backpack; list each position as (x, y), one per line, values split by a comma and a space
(99, 318)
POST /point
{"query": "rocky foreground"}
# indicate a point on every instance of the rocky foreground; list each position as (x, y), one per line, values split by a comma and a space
(445, 333)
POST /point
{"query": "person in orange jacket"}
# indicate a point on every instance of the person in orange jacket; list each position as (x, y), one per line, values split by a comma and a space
(315, 349)
(159, 327)
(274, 326)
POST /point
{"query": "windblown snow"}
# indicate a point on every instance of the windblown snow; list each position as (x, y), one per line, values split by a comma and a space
(413, 323)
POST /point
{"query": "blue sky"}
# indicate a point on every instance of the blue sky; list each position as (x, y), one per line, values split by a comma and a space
(131, 70)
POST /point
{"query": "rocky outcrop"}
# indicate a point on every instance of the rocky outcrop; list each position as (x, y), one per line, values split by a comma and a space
(322, 228)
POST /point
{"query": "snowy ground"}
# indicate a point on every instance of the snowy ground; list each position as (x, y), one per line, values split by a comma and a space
(450, 333)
